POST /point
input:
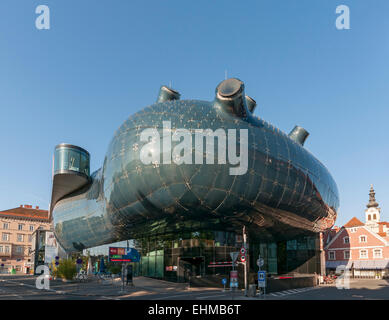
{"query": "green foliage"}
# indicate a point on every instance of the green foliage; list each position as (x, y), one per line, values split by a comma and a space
(67, 269)
(114, 268)
(54, 270)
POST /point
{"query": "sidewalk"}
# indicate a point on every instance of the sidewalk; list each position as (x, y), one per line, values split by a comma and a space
(107, 288)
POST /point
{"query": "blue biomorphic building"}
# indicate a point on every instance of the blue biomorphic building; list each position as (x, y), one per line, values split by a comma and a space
(186, 207)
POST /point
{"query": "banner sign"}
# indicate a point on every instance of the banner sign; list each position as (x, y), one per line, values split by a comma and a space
(117, 254)
(51, 250)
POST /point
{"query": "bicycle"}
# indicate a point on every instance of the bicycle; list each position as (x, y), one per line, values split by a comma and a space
(82, 276)
(103, 276)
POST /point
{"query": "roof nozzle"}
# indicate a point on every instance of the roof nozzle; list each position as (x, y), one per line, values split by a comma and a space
(230, 96)
(251, 104)
(167, 94)
(299, 135)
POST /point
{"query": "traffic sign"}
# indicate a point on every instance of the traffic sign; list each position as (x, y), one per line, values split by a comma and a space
(224, 281)
(242, 250)
(234, 279)
(243, 258)
(260, 262)
(261, 279)
(234, 256)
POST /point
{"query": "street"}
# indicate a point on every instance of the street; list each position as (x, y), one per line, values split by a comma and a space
(22, 287)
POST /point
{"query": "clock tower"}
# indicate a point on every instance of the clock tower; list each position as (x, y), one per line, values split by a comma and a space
(372, 213)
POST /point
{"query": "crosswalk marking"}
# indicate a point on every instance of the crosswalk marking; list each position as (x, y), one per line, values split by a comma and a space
(182, 294)
(290, 291)
(213, 296)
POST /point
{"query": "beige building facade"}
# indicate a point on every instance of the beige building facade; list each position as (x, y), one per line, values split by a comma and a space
(17, 226)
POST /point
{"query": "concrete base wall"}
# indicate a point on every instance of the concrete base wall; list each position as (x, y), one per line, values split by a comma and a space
(275, 285)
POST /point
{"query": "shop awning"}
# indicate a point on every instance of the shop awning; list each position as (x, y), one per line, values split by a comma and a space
(371, 264)
(335, 264)
(359, 264)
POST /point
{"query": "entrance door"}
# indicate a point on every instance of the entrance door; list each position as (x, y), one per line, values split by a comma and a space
(191, 267)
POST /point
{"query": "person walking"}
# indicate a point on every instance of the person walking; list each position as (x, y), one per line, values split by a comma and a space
(129, 275)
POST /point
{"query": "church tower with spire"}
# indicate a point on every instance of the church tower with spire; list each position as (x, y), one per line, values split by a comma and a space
(372, 213)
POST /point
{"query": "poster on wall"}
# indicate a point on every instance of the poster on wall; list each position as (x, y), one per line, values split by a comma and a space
(51, 248)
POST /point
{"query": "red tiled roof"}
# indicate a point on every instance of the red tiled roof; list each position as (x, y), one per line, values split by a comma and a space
(382, 234)
(26, 212)
(384, 223)
(354, 222)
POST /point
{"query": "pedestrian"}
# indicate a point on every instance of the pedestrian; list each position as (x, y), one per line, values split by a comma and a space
(129, 275)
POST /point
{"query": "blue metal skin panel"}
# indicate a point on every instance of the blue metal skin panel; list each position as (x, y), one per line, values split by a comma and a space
(285, 192)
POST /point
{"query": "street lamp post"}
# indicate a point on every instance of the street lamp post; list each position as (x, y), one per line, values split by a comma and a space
(245, 262)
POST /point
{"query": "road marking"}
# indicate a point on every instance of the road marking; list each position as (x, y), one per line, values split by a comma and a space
(291, 291)
(183, 294)
(212, 296)
(109, 298)
(11, 295)
(294, 291)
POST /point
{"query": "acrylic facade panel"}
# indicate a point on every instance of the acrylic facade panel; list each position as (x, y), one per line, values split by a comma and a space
(285, 193)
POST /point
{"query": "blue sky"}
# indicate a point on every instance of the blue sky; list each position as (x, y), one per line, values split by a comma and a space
(102, 61)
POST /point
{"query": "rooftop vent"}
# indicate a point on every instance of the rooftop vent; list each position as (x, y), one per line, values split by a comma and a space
(299, 135)
(167, 94)
(230, 96)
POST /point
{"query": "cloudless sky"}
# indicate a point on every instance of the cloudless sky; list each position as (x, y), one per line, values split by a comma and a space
(102, 61)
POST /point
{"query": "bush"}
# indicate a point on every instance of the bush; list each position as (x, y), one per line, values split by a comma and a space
(114, 269)
(54, 270)
(67, 269)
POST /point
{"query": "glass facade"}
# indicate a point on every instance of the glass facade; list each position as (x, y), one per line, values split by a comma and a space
(191, 214)
(71, 158)
(205, 254)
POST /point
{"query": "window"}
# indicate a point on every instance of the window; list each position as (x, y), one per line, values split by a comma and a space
(331, 255)
(346, 240)
(5, 237)
(369, 217)
(20, 237)
(374, 216)
(352, 230)
(1, 249)
(363, 254)
(362, 238)
(20, 226)
(31, 228)
(5, 225)
(346, 254)
(19, 249)
(6, 249)
(29, 237)
(377, 253)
